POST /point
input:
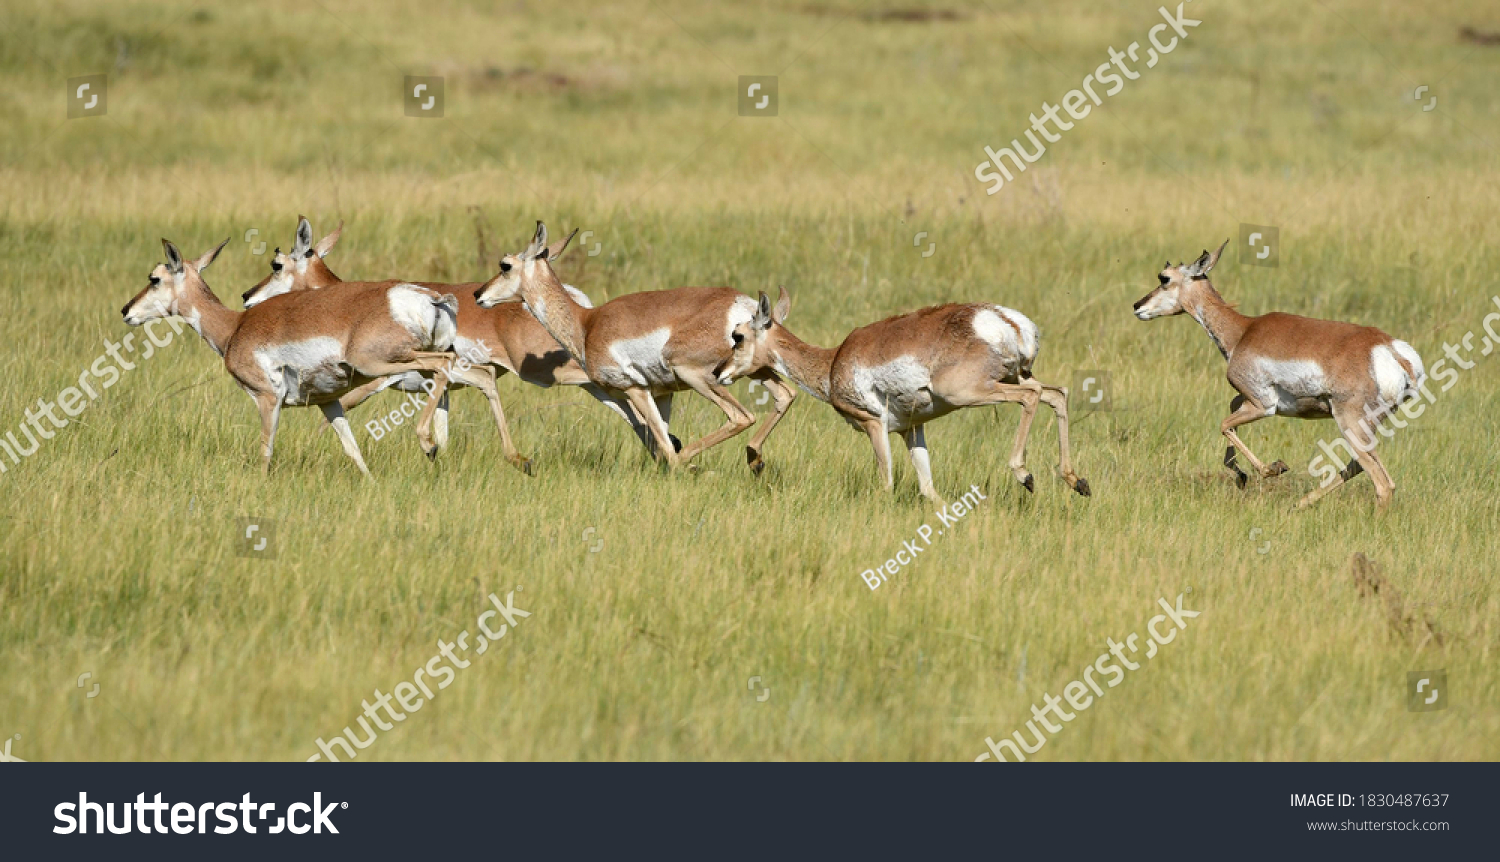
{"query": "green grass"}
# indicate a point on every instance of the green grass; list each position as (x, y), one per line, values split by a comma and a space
(117, 539)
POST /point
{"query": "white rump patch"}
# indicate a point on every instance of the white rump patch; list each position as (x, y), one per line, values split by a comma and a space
(1407, 352)
(990, 326)
(1390, 378)
(434, 326)
(639, 361)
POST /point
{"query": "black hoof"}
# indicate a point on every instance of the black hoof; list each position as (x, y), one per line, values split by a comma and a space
(1029, 483)
(676, 444)
(431, 454)
(752, 457)
(1240, 479)
(1083, 488)
(527, 468)
(1277, 469)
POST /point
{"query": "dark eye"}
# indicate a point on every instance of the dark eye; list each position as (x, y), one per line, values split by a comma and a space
(505, 266)
(155, 280)
(309, 253)
(1164, 279)
(276, 266)
(738, 339)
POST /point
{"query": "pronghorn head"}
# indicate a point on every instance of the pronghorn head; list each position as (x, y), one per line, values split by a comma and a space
(749, 338)
(520, 272)
(173, 286)
(303, 269)
(1166, 298)
(757, 342)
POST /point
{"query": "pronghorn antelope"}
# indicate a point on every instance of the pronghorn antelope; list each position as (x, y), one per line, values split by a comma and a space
(646, 345)
(1282, 364)
(303, 269)
(491, 341)
(305, 348)
(903, 372)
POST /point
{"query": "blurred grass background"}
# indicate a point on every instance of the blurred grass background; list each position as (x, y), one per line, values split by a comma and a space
(117, 538)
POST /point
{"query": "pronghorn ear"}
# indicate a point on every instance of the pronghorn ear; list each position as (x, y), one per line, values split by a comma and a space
(202, 263)
(303, 246)
(762, 318)
(326, 244)
(1205, 262)
(174, 258)
(1215, 259)
(783, 306)
(552, 255)
(538, 242)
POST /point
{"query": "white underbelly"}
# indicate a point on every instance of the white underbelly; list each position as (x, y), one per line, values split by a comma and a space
(310, 371)
(899, 392)
(639, 363)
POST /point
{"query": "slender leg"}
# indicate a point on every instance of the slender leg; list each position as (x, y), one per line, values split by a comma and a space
(620, 406)
(645, 407)
(269, 405)
(782, 395)
(916, 444)
(334, 413)
(1028, 394)
(1056, 397)
(1363, 438)
(664, 409)
(1248, 412)
(1030, 398)
(1350, 470)
(1240, 476)
(482, 377)
(880, 439)
(420, 360)
(437, 403)
(737, 418)
(440, 421)
(360, 394)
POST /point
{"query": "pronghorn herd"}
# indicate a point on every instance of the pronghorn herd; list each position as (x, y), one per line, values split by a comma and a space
(306, 337)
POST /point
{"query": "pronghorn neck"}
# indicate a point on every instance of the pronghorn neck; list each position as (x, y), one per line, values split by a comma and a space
(557, 311)
(808, 365)
(1217, 317)
(319, 275)
(210, 318)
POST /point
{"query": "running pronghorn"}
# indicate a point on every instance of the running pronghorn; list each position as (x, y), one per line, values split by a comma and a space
(646, 345)
(903, 372)
(1282, 364)
(490, 341)
(305, 348)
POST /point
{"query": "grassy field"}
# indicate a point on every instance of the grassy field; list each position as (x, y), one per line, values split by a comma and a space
(655, 598)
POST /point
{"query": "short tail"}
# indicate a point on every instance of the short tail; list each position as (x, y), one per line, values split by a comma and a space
(430, 317)
(445, 327)
(1398, 371)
